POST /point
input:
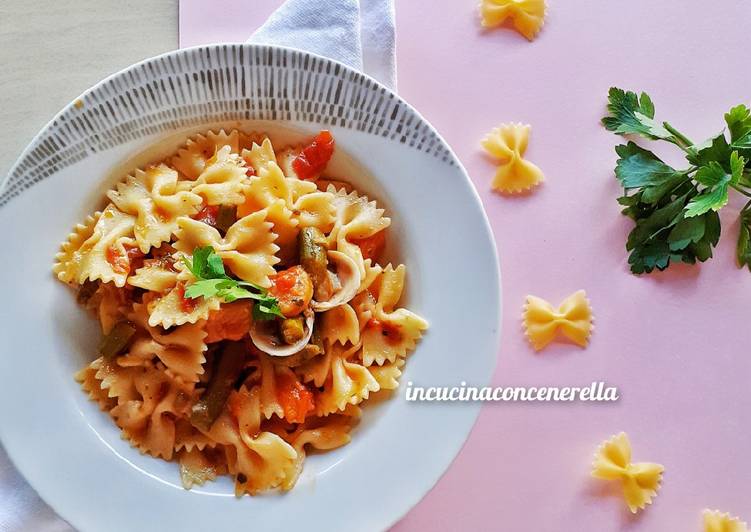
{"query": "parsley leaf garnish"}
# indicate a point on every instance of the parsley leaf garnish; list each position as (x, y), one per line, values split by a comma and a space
(675, 210)
(212, 281)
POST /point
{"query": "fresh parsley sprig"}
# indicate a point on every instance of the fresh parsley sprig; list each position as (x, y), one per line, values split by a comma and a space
(675, 210)
(212, 281)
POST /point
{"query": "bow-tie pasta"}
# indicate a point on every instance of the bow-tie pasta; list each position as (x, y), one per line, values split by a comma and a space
(716, 521)
(191, 160)
(527, 16)
(515, 174)
(246, 315)
(247, 248)
(572, 319)
(640, 481)
(152, 197)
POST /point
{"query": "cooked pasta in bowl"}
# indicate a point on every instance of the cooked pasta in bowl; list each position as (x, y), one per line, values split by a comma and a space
(245, 314)
(267, 250)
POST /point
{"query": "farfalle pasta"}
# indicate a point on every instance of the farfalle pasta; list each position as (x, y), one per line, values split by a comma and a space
(716, 521)
(640, 481)
(572, 319)
(508, 144)
(527, 16)
(245, 315)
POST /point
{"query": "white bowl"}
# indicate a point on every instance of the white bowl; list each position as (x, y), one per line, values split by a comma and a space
(73, 454)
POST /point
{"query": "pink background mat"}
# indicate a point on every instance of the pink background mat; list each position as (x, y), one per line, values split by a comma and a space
(675, 343)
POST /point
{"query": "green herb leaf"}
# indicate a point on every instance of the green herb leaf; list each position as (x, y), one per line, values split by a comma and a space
(638, 167)
(633, 115)
(267, 309)
(214, 266)
(212, 281)
(675, 210)
(649, 228)
(713, 199)
(717, 180)
(715, 149)
(738, 120)
(206, 288)
(685, 232)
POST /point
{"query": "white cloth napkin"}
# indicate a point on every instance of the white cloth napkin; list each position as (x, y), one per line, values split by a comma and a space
(360, 34)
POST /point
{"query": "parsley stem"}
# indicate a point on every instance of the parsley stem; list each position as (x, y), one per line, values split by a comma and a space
(684, 142)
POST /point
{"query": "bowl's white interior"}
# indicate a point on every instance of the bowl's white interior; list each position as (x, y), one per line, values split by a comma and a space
(65, 446)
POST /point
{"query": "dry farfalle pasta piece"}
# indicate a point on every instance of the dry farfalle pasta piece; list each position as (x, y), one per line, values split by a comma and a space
(508, 143)
(572, 318)
(640, 480)
(716, 521)
(527, 16)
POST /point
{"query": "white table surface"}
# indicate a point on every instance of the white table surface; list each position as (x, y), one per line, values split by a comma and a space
(51, 51)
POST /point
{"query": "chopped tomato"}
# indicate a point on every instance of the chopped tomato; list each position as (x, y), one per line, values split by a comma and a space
(207, 215)
(249, 170)
(296, 400)
(371, 246)
(389, 331)
(293, 289)
(230, 322)
(187, 304)
(314, 157)
(161, 213)
(124, 263)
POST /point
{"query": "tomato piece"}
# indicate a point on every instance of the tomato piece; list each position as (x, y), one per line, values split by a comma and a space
(124, 263)
(230, 322)
(293, 289)
(135, 257)
(314, 157)
(371, 246)
(208, 215)
(187, 304)
(389, 331)
(294, 397)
